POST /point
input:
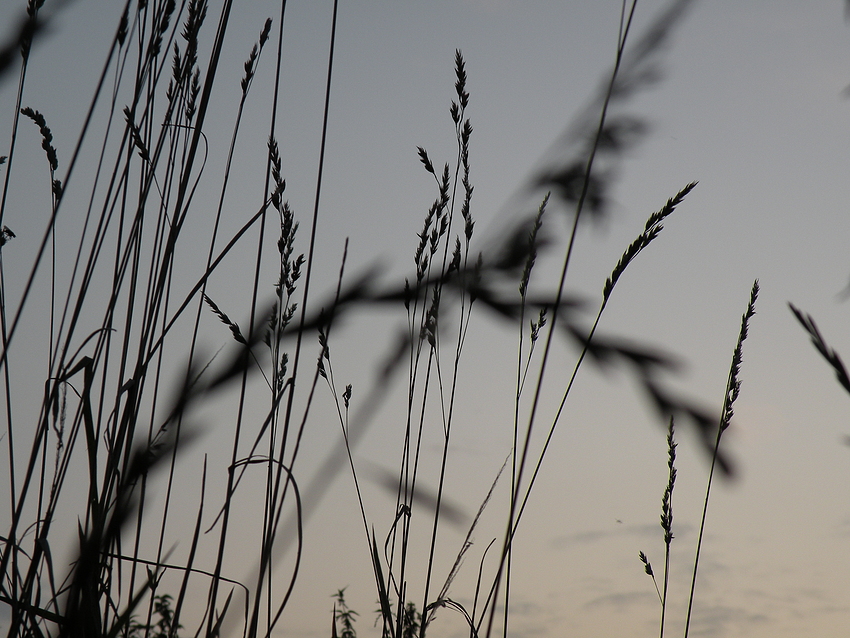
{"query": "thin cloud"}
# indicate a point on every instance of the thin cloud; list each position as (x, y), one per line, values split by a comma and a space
(620, 531)
(621, 600)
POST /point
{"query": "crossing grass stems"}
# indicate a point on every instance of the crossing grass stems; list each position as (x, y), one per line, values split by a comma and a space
(105, 414)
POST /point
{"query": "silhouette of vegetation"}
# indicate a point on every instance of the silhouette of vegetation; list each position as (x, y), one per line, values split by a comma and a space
(120, 302)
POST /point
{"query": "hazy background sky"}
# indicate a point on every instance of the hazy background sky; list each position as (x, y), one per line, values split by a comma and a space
(751, 105)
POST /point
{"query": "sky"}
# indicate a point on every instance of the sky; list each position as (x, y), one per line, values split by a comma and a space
(751, 103)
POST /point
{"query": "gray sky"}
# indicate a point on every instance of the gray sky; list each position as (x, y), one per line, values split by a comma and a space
(751, 105)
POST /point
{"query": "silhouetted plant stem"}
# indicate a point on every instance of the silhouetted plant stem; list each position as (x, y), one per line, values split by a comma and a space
(667, 518)
(554, 315)
(733, 387)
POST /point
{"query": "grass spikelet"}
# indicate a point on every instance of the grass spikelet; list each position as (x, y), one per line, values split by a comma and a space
(234, 327)
(290, 268)
(275, 162)
(666, 525)
(46, 136)
(426, 162)
(177, 65)
(536, 326)
(654, 225)
(164, 21)
(733, 387)
(647, 567)
(195, 16)
(532, 246)
(194, 91)
(194, 19)
(666, 501)
(832, 357)
(29, 27)
(454, 264)
(136, 135)
(253, 57)
(667, 516)
(165, 15)
(264, 34)
(323, 342)
(460, 84)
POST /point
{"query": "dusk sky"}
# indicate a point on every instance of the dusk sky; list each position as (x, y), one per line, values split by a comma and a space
(751, 102)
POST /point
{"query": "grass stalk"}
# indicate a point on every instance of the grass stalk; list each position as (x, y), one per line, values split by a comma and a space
(103, 411)
(733, 386)
(579, 207)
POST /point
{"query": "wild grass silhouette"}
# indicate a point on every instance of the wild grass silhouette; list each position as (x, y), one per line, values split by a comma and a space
(109, 413)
